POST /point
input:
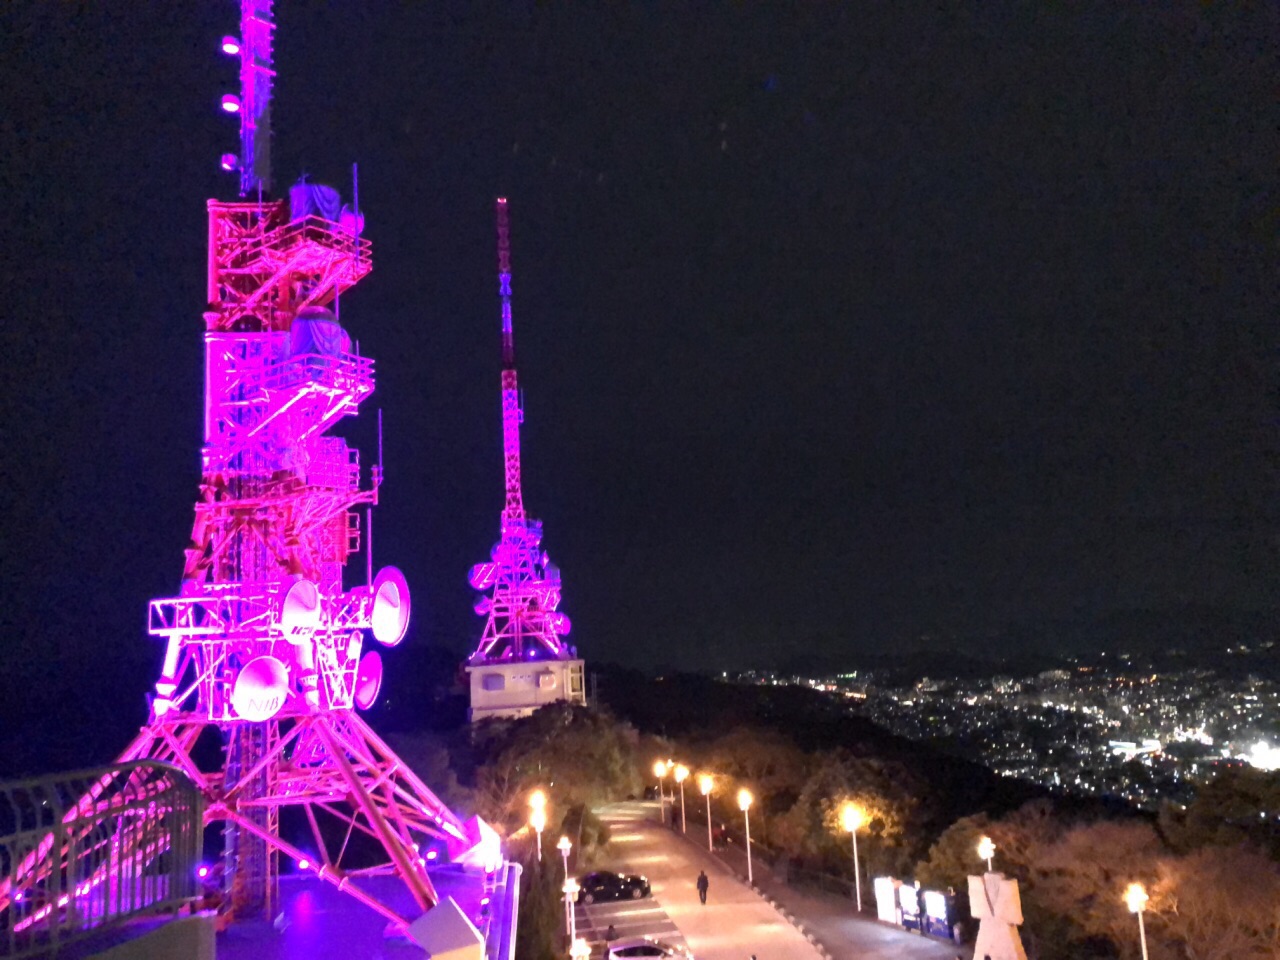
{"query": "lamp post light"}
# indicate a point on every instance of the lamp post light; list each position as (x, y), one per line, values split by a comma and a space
(851, 818)
(570, 922)
(705, 784)
(1135, 896)
(744, 804)
(564, 846)
(987, 850)
(661, 769)
(538, 816)
(580, 950)
(682, 774)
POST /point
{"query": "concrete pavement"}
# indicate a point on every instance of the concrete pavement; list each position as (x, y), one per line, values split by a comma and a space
(842, 931)
(735, 922)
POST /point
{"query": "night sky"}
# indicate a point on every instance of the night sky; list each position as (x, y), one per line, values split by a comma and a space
(838, 327)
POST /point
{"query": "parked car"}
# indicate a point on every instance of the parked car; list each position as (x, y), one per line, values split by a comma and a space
(603, 885)
(645, 947)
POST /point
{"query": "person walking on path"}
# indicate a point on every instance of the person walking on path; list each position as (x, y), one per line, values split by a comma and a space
(703, 884)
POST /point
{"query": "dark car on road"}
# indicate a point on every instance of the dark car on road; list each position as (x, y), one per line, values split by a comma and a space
(603, 885)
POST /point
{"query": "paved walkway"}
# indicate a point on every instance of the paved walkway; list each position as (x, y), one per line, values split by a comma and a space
(829, 918)
(735, 922)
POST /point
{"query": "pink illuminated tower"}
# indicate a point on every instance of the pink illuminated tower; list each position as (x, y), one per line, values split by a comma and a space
(266, 655)
(522, 661)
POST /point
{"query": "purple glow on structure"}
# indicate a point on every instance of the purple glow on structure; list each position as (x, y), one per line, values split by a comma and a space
(263, 640)
(522, 621)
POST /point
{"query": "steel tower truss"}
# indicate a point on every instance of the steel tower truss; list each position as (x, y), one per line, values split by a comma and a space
(263, 644)
(523, 585)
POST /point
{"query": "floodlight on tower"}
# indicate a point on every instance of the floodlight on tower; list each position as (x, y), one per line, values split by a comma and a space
(522, 661)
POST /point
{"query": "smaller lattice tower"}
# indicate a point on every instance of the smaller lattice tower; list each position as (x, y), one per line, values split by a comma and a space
(522, 662)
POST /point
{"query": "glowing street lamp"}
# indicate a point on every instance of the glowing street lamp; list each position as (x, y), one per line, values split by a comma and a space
(570, 892)
(538, 816)
(744, 804)
(851, 818)
(987, 850)
(682, 774)
(705, 783)
(580, 950)
(660, 770)
(564, 846)
(1135, 897)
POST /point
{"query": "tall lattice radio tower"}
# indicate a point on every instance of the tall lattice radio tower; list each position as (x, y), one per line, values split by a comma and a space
(265, 648)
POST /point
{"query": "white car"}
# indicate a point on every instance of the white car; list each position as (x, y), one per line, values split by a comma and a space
(645, 947)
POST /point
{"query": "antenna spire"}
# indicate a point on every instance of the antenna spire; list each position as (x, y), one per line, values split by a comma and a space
(512, 414)
(256, 75)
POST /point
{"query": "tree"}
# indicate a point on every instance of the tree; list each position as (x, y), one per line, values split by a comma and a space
(580, 756)
(1219, 903)
(1226, 812)
(884, 791)
(1081, 877)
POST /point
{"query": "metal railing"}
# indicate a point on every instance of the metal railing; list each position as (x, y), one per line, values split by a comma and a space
(84, 851)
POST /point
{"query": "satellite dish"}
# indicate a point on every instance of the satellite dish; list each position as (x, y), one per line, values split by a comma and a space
(483, 605)
(390, 615)
(560, 623)
(260, 690)
(300, 611)
(483, 575)
(368, 679)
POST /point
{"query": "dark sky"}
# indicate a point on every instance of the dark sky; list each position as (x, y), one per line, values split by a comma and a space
(837, 326)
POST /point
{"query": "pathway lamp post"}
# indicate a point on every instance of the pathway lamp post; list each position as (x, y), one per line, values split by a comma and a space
(564, 846)
(851, 818)
(570, 893)
(705, 783)
(744, 804)
(682, 774)
(580, 950)
(1135, 896)
(538, 816)
(987, 850)
(660, 771)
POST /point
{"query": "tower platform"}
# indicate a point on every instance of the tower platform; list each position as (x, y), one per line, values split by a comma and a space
(319, 922)
(518, 688)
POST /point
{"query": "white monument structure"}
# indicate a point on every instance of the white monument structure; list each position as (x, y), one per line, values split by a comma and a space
(996, 904)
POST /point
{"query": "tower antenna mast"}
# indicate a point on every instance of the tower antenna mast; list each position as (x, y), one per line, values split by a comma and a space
(256, 76)
(512, 414)
(522, 622)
